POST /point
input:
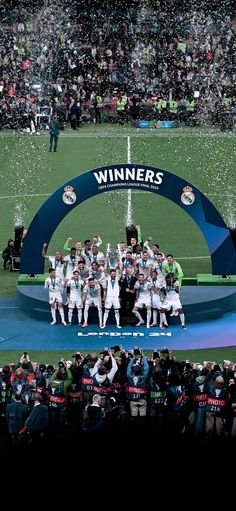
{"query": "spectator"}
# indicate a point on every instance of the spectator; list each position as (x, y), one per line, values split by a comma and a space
(16, 414)
(54, 133)
(7, 253)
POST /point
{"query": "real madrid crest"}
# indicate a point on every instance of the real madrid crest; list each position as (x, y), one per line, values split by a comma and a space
(69, 196)
(187, 197)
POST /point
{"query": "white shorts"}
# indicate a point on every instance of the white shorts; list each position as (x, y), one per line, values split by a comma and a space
(92, 302)
(75, 302)
(143, 302)
(172, 301)
(112, 301)
(55, 297)
(156, 302)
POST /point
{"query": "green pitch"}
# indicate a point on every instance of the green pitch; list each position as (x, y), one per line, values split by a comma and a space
(29, 173)
(53, 356)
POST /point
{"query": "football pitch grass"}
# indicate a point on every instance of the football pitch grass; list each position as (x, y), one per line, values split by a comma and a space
(52, 357)
(29, 173)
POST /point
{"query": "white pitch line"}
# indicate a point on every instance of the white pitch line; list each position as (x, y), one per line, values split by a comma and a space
(9, 307)
(119, 191)
(193, 257)
(27, 195)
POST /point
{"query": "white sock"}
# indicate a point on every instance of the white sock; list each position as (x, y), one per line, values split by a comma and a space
(79, 315)
(53, 312)
(182, 318)
(100, 314)
(70, 313)
(148, 317)
(105, 317)
(86, 313)
(117, 316)
(138, 315)
(62, 314)
(163, 318)
(154, 312)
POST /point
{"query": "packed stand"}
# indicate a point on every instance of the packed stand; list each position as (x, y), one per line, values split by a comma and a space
(113, 61)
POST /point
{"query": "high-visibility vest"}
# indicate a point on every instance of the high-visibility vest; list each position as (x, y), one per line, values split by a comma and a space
(227, 101)
(120, 105)
(190, 106)
(173, 106)
(99, 101)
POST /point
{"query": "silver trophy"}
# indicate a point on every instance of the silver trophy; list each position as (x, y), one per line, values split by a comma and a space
(111, 256)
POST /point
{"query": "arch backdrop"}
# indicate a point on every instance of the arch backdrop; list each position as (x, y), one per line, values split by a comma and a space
(121, 177)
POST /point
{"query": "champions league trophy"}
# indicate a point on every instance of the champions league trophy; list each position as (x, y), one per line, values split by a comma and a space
(111, 256)
(131, 232)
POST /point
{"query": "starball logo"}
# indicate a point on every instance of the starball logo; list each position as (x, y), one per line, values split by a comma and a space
(128, 174)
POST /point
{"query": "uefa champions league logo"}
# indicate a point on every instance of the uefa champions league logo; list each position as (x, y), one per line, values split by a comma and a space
(187, 197)
(69, 197)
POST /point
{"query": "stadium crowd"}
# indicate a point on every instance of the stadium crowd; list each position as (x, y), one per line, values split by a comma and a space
(116, 61)
(118, 391)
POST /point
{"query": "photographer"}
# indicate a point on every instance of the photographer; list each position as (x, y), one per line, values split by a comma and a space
(103, 377)
(157, 397)
(119, 379)
(58, 388)
(74, 391)
(93, 421)
(88, 364)
(25, 364)
(136, 389)
(232, 404)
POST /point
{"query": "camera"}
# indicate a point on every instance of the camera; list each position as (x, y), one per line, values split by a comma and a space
(61, 364)
(105, 352)
(115, 348)
(164, 350)
(77, 356)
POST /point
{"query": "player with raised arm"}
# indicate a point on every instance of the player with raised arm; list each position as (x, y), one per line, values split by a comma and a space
(57, 261)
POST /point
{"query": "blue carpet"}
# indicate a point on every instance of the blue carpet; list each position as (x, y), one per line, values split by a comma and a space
(20, 332)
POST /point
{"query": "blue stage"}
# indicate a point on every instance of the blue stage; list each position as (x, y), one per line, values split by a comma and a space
(201, 303)
(20, 332)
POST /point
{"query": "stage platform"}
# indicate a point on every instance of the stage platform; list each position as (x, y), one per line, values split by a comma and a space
(204, 298)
